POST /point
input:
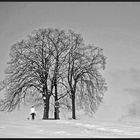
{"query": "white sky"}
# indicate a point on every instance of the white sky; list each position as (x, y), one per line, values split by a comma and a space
(113, 26)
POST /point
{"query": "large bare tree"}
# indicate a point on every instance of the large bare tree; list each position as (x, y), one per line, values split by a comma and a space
(60, 43)
(84, 63)
(53, 63)
(33, 68)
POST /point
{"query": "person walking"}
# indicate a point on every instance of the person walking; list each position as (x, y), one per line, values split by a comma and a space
(33, 114)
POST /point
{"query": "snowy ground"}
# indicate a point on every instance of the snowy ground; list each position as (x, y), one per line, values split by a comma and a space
(67, 129)
(16, 125)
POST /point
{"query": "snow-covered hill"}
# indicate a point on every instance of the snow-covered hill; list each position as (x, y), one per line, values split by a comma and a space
(89, 128)
(16, 125)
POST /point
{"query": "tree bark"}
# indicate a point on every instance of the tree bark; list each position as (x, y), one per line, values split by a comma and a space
(73, 106)
(46, 99)
(56, 112)
(56, 107)
(46, 108)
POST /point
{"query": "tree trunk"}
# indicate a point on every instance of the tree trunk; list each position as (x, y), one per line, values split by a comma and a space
(56, 112)
(73, 106)
(46, 108)
(56, 107)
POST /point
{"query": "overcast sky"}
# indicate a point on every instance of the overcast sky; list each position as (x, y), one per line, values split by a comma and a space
(113, 26)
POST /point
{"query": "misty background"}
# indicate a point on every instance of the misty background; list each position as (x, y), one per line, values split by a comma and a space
(113, 26)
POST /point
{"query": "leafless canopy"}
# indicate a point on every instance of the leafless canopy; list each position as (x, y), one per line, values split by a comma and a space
(54, 63)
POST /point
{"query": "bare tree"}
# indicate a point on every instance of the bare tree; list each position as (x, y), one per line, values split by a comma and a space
(53, 63)
(60, 43)
(84, 63)
(32, 68)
